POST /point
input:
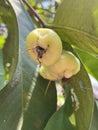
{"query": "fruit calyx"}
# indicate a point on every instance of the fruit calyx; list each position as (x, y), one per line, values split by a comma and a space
(40, 51)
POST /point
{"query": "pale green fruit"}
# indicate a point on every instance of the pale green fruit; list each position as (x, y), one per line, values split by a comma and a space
(47, 74)
(66, 66)
(44, 46)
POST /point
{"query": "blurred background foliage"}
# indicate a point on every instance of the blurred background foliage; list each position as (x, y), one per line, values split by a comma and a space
(45, 8)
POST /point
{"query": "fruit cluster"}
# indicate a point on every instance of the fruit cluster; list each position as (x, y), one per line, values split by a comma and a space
(44, 46)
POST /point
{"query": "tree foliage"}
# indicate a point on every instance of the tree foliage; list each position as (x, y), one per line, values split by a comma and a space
(24, 102)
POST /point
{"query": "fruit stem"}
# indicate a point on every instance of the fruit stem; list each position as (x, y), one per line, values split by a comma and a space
(34, 12)
(47, 88)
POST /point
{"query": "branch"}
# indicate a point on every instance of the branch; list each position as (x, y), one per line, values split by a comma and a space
(35, 13)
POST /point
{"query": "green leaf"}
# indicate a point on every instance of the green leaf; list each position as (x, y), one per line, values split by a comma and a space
(2, 41)
(41, 106)
(10, 105)
(82, 94)
(8, 42)
(61, 119)
(77, 23)
(81, 91)
(26, 90)
(94, 125)
(83, 99)
(90, 62)
(2, 71)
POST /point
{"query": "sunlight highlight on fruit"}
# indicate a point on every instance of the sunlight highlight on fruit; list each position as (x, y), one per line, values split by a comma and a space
(66, 66)
(44, 46)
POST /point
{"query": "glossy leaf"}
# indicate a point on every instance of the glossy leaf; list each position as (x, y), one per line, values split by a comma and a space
(76, 22)
(2, 71)
(83, 96)
(81, 89)
(9, 46)
(61, 119)
(42, 105)
(10, 104)
(94, 125)
(77, 25)
(90, 62)
(27, 87)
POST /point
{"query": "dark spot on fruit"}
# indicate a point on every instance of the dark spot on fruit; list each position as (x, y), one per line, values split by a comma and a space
(40, 51)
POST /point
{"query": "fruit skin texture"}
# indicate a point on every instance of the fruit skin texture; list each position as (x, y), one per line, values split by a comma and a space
(44, 46)
(66, 66)
(47, 74)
